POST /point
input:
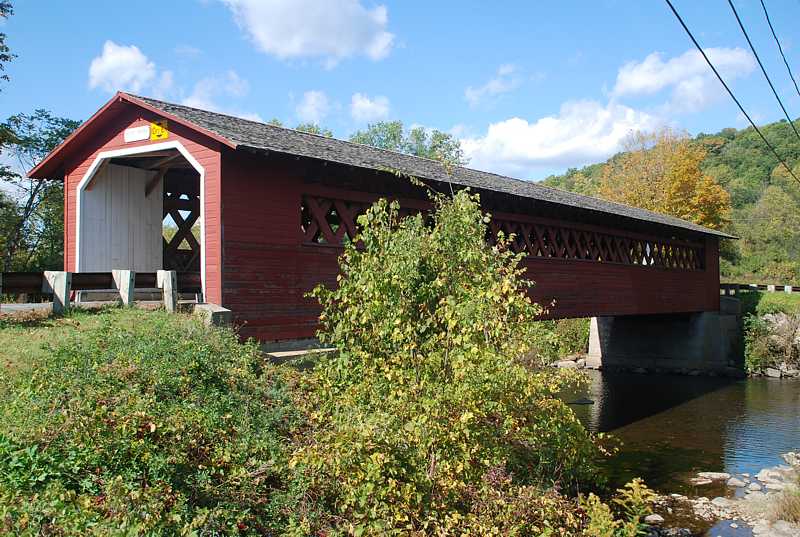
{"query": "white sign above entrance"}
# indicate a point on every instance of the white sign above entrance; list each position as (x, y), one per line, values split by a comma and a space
(136, 134)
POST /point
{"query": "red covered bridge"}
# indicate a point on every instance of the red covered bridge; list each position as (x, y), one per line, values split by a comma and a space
(274, 205)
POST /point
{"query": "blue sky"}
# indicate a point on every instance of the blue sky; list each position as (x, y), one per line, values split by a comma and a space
(531, 88)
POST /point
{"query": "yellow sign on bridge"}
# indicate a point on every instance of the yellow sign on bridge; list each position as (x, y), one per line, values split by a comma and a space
(159, 130)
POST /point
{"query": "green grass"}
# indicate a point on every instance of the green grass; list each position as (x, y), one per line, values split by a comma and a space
(761, 303)
(131, 422)
(24, 337)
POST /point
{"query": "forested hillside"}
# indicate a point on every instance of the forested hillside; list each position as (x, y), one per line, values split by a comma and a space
(764, 201)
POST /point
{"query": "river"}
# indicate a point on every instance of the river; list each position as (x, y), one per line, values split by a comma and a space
(673, 426)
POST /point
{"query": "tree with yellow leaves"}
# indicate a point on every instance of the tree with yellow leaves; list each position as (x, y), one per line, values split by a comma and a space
(660, 171)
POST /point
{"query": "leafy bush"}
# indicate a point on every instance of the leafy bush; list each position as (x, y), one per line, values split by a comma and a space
(624, 517)
(145, 423)
(573, 336)
(771, 342)
(426, 398)
(758, 354)
(560, 338)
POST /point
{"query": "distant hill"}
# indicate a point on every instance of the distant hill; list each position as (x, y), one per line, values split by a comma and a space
(765, 200)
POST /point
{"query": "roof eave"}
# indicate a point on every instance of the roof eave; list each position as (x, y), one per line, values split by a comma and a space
(52, 165)
(49, 164)
(177, 119)
(701, 231)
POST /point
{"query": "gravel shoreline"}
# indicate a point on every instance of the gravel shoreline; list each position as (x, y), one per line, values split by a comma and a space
(751, 504)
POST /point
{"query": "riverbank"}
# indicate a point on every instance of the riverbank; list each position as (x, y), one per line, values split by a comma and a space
(583, 361)
(766, 504)
(671, 427)
(783, 370)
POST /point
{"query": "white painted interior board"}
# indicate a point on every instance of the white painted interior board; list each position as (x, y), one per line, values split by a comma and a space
(120, 227)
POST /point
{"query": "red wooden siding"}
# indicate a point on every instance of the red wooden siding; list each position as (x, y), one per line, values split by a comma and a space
(282, 236)
(274, 225)
(110, 137)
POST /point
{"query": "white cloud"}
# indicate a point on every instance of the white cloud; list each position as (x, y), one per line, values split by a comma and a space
(327, 29)
(126, 68)
(582, 132)
(313, 107)
(365, 110)
(121, 67)
(692, 83)
(505, 80)
(208, 90)
(589, 131)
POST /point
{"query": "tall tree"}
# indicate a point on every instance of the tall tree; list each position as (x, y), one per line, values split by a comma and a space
(661, 172)
(313, 128)
(419, 141)
(6, 10)
(770, 232)
(33, 224)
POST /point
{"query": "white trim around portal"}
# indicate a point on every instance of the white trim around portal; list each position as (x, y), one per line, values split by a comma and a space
(127, 151)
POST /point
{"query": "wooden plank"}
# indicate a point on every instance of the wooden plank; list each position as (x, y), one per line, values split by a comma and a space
(22, 282)
(101, 168)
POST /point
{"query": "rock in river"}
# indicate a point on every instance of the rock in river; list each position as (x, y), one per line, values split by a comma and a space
(653, 519)
(735, 482)
(714, 476)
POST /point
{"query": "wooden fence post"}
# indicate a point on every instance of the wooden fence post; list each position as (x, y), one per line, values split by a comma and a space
(59, 283)
(787, 288)
(125, 280)
(168, 281)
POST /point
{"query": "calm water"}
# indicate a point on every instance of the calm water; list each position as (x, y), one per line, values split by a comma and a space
(674, 426)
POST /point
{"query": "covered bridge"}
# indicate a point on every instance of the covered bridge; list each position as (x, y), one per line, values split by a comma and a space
(271, 207)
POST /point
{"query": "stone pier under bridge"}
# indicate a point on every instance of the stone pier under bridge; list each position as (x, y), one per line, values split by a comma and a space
(688, 343)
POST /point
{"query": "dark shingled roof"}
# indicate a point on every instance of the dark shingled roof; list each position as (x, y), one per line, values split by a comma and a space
(261, 136)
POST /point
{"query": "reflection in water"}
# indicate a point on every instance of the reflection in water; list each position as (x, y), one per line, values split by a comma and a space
(673, 426)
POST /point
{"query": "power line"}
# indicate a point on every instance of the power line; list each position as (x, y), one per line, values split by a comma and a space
(719, 77)
(766, 14)
(763, 70)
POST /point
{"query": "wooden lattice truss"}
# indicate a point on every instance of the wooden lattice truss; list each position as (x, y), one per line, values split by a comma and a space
(182, 204)
(325, 221)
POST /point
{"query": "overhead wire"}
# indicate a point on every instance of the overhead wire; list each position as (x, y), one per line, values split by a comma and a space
(730, 92)
(780, 48)
(763, 69)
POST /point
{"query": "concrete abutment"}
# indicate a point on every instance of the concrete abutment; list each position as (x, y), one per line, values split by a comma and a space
(706, 342)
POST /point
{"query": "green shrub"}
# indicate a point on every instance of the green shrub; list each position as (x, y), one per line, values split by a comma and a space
(758, 353)
(146, 423)
(624, 517)
(560, 338)
(771, 344)
(426, 398)
(573, 336)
